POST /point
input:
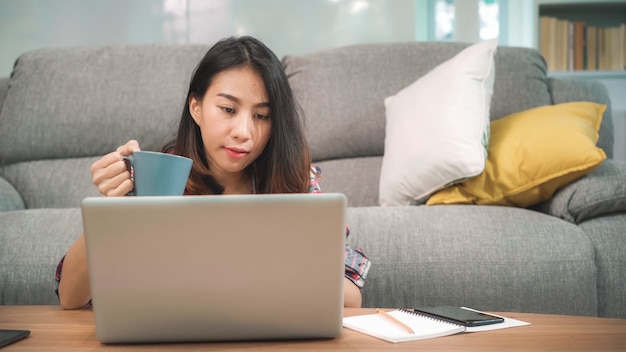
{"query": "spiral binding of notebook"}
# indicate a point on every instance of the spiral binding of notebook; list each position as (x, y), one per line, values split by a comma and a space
(457, 315)
(431, 316)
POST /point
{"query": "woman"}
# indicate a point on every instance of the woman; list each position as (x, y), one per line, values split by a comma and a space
(242, 128)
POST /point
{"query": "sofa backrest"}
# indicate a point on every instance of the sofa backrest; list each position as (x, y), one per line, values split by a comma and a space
(342, 90)
(76, 102)
(66, 107)
(342, 93)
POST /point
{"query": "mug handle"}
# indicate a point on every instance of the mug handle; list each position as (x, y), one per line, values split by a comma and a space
(128, 160)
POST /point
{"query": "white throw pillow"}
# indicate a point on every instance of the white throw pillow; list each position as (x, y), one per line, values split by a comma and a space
(437, 129)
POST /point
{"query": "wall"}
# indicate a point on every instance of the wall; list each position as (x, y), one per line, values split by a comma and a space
(286, 26)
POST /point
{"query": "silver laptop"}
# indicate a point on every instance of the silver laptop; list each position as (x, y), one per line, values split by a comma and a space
(216, 268)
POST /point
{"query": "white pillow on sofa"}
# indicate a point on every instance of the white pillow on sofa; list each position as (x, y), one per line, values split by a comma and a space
(437, 129)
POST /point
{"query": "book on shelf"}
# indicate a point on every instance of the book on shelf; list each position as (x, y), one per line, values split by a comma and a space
(576, 45)
(618, 44)
(591, 52)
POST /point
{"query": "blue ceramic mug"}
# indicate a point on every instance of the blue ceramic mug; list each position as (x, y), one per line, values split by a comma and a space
(158, 174)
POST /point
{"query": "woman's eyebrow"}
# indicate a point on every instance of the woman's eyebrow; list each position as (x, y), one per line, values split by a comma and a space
(237, 100)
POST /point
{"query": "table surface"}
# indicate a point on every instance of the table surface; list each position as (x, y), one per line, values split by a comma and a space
(53, 329)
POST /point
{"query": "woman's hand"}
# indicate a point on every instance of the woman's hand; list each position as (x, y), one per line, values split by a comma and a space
(110, 174)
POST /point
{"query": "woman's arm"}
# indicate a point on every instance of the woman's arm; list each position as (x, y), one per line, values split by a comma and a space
(351, 294)
(74, 291)
(112, 178)
(357, 266)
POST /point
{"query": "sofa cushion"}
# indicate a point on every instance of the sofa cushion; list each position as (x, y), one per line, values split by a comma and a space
(437, 129)
(86, 101)
(606, 235)
(342, 90)
(31, 244)
(601, 192)
(357, 178)
(55, 183)
(532, 154)
(488, 257)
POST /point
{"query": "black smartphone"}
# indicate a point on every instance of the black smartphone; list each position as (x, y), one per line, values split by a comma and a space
(7, 337)
(458, 315)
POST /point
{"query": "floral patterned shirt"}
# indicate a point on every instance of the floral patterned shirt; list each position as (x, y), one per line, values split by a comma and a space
(356, 262)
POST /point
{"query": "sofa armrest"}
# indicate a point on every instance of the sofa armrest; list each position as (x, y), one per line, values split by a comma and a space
(10, 199)
(600, 192)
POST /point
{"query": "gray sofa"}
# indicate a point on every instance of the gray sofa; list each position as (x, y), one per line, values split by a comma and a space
(63, 108)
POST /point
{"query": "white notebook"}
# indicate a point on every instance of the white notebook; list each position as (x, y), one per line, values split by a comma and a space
(423, 327)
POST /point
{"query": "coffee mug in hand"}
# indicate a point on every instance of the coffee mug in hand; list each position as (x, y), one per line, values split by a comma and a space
(159, 174)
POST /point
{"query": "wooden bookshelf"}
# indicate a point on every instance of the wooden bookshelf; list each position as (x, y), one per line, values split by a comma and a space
(583, 35)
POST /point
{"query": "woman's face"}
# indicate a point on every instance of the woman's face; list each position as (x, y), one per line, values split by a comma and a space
(234, 119)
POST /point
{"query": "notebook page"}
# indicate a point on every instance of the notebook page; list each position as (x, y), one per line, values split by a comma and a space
(377, 326)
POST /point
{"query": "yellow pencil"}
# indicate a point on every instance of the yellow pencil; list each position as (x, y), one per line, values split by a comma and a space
(395, 321)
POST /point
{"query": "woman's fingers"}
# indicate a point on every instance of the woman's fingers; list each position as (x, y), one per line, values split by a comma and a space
(110, 173)
(116, 183)
(128, 148)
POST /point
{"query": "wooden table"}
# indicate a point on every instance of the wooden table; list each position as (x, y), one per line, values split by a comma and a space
(53, 329)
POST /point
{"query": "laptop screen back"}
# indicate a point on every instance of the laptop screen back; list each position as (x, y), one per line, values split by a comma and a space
(228, 267)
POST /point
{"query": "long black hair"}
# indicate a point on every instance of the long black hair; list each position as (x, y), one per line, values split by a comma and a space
(284, 165)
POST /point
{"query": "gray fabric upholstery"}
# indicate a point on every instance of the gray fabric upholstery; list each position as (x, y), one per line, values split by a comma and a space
(96, 98)
(342, 90)
(601, 192)
(71, 179)
(427, 255)
(351, 176)
(66, 107)
(608, 237)
(31, 243)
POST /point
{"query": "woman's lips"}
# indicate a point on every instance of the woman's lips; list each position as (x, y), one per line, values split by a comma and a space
(236, 153)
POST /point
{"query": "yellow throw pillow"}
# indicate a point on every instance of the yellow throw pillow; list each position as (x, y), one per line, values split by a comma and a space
(532, 154)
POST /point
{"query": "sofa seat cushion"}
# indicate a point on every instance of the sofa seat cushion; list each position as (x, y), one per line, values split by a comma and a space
(487, 257)
(607, 235)
(31, 244)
